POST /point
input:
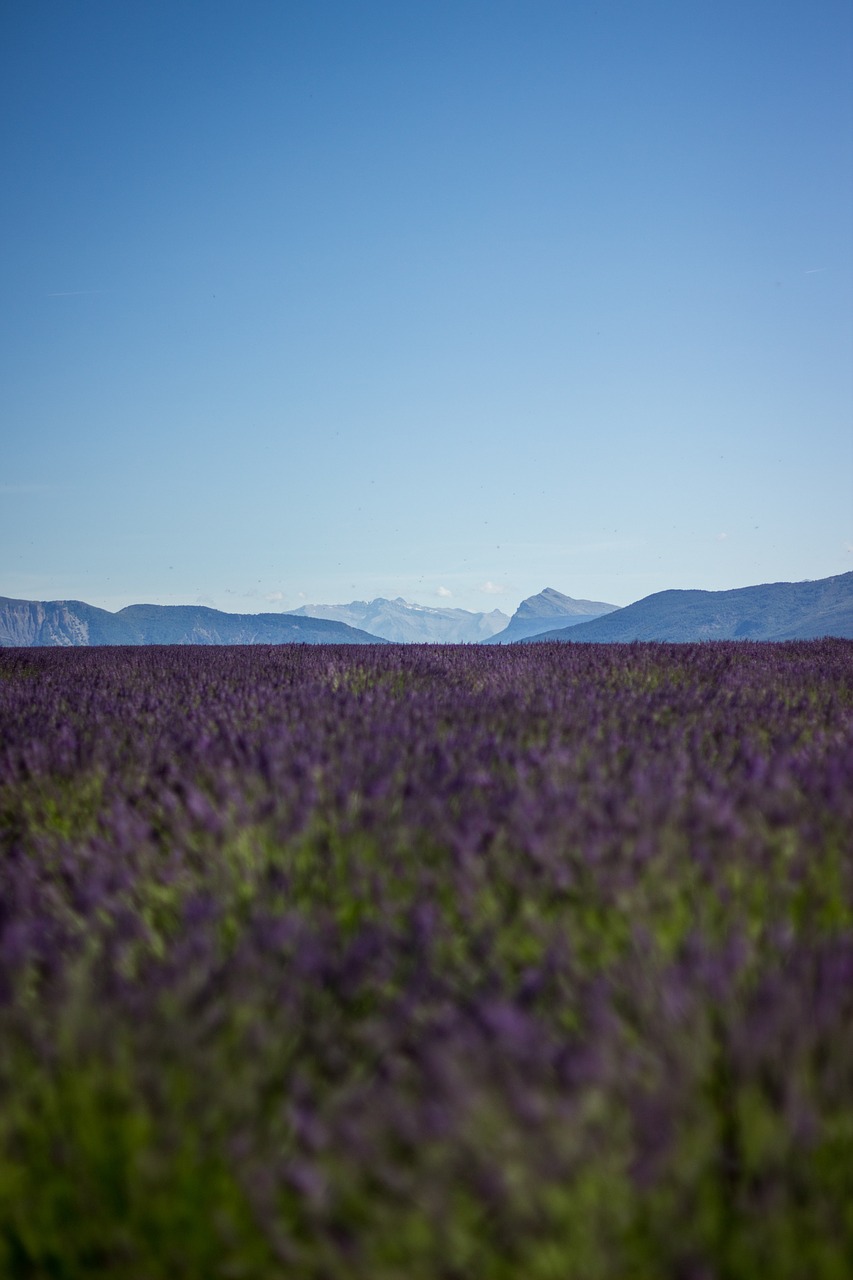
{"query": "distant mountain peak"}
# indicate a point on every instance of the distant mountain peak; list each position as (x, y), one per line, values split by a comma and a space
(546, 610)
(552, 603)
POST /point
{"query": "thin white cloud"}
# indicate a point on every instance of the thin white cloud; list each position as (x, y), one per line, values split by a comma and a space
(721, 537)
(493, 588)
(274, 597)
(444, 592)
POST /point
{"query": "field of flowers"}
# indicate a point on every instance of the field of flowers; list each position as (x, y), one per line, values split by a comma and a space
(431, 963)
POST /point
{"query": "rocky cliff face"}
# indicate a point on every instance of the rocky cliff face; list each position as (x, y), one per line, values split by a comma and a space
(21, 622)
(32, 622)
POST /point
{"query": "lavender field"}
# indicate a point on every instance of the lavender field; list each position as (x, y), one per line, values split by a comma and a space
(427, 962)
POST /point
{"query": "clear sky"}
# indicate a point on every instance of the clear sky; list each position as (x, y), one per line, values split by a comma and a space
(316, 300)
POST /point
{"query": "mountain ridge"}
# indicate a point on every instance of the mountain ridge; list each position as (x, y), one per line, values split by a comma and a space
(768, 611)
(73, 623)
(404, 622)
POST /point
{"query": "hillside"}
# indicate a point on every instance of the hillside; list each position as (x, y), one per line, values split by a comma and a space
(37, 623)
(771, 611)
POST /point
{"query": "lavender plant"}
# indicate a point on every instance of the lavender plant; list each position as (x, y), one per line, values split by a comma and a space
(431, 961)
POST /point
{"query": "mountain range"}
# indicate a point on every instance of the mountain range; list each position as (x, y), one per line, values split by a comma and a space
(771, 611)
(407, 623)
(71, 622)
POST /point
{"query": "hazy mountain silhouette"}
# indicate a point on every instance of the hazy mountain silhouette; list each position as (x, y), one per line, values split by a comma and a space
(72, 622)
(771, 611)
(547, 610)
(408, 623)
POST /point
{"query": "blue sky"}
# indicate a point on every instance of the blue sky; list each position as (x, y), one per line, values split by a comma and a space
(325, 300)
